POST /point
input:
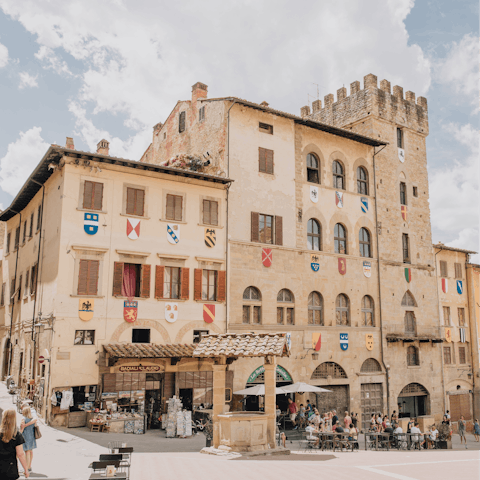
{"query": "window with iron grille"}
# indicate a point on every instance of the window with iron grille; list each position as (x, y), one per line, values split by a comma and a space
(340, 239)
(364, 242)
(181, 122)
(447, 355)
(399, 138)
(265, 160)
(443, 269)
(252, 308)
(315, 309)
(412, 356)
(362, 181)
(265, 128)
(406, 248)
(328, 369)
(92, 195)
(458, 270)
(313, 171)
(403, 193)
(461, 317)
(338, 175)
(210, 212)
(209, 285)
(174, 208)
(370, 365)
(314, 235)
(135, 201)
(446, 316)
(410, 324)
(342, 309)
(414, 388)
(462, 355)
(367, 311)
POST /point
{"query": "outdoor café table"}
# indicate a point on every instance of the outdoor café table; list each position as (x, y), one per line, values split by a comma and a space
(340, 439)
(375, 436)
(326, 439)
(101, 476)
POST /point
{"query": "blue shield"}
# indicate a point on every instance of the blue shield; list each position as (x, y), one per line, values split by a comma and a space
(344, 341)
(90, 223)
(315, 266)
(459, 287)
(364, 204)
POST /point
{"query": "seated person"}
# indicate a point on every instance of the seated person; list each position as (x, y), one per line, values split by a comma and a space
(339, 428)
(398, 429)
(417, 438)
(310, 434)
(353, 433)
(432, 436)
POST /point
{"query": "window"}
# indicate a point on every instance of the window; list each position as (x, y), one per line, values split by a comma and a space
(364, 238)
(412, 356)
(328, 369)
(9, 239)
(403, 193)
(92, 195)
(370, 365)
(2, 295)
(338, 175)
(342, 308)
(84, 337)
(174, 207)
(362, 181)
(140, 335)
(313, 235)
(88, 277)
(210, 212)
(24, 231)
(171, 282)
(30, 233)
(201, 114)
(462, 355)
(399, 138)
(266, 228)
(461, 317)
(131, 280)
(447, 355)
(340, 233)
(17, 237)
(181, 122)
(410, 324)
(19, 295)
(265, 160)
(12, 291)
(443, 269)
(406, 248)
(265, 128)
(209, 285)
(198, 334)
(39, 217)
(313, 174)
(458, 270)
(252, 306)
(27, 283)
(446, 316)
(415, 191)
(367, 311)
(285, 312)
(408, 300)
(315, 309)
(135, 201)
(33, 279)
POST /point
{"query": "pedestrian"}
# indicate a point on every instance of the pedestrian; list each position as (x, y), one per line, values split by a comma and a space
(334, 417)
(462, 427)
(308, 409)
(476, 430)
(410, 425)
(347, 420)
(27, 429)
(11, 447)
(301, 415)
(354, 419)
(292, 410)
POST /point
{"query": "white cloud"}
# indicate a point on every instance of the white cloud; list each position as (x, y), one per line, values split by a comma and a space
(50, 60)
(21, 158)
(27, 80)
(3, 55)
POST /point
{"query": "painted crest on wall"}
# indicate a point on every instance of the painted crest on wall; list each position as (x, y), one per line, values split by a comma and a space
(316, 341)
(208, 313)
(133, 228)
(404, 212)
(339, 199)
(448, 334)
(364, 204)
(288, 340)
(459, 287)
(171, 312)
(367, 269)
(444, 285)
(130, 311)
(90, 223)
(314, 194)
(401, 154)
(369, 341)
(408, 275)
(210, 237)
(314, 262)
(173, 233)
(342, 265)
(267, 257)
(85, 308)
(344, 341)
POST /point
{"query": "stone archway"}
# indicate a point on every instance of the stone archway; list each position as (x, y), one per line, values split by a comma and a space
(199, 325)
(413, 401)
(140, 323)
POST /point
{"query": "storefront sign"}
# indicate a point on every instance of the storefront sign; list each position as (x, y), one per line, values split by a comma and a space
(280, 371)
(139, 368)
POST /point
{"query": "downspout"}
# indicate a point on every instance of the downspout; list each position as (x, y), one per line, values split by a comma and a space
(13, 300)
(379, 282)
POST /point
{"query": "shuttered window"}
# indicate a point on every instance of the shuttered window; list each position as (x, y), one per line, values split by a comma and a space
(406, 248)
(446, 316)
(181, 122)
(447, 356)
(93, 195)
(2, 296)
(30, 234)
(210, 212)
(265, 160)
(12, 291)
(443, 269)
(171, 282)
(458, 270)
(461, 317)
(266, 228)
(24, 231)
(27, 282)
(135, 201)
(403, 193)
(209, 285)
(131, 280)
(88, 277)
(145, 281)
(174, 208)
(17, 237)
(201, 114)
(9, 240)
(33, 280)
(462, 355)
(39, 217)
(20, 288)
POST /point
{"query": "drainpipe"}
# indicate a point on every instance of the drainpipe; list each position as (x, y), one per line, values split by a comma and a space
(379, 281)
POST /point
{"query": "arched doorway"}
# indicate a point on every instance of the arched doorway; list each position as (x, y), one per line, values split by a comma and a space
(258, 377)
(338, 398)
(413, 401)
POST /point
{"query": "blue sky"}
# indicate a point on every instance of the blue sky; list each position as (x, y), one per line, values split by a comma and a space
(115, 68)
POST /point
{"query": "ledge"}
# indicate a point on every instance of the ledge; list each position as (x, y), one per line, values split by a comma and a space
(172, 256)
(89, 248)
(208, 259)
(133, 254)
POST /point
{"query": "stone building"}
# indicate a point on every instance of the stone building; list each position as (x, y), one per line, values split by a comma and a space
(320, 197)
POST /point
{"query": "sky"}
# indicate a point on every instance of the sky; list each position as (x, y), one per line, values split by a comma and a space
(113, 69)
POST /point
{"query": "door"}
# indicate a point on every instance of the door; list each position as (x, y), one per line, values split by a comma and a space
(371, 398)
(460, 405)
(336, 400)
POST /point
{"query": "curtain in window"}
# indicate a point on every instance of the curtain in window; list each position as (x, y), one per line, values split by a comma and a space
(128, 286)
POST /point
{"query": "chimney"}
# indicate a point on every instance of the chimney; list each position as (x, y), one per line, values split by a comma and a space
(264, 104)
(199, 90)
(103, 147)
(69, 143)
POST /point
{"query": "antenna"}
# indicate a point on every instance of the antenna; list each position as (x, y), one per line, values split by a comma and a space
(318, 89)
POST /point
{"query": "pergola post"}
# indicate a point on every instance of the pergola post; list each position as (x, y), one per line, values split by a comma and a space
(218, 398)
(270, 398)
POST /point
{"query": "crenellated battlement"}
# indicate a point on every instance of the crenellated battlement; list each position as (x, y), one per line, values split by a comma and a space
(371, 101)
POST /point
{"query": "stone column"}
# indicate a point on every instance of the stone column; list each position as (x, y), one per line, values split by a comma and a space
(218, 400)
(270, 398)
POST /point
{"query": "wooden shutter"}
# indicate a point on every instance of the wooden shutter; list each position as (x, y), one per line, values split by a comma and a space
(443, 268)
(82, 278)
(139, 202)
(458, 270)
(117, 279)
(87, 195)
(130, 201)
(170, 210)
(184, 285)
(145, 282)
(214, 213)
(269, 161)
(222, 286)
(92, 284)
(159, 275)
(255, 227)
(197, 284)
(206, 212)
(278, 230)
(181, 122)
(98, 196)
(178, 207)
(262, 167)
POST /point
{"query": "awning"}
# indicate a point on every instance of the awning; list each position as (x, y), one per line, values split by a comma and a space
(148, 350)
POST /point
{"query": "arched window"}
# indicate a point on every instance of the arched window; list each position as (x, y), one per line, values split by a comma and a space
(286, 311)
(338, 175)
(315, 309)
(408, 300)
(328, 369)
(364, 242)
(410, 323)
(342, 310)
(367, 311)
(340, 239)
(370, 365)
(362, 181)
(252, 305)
(313, 174)
(412, 356)
(314, 239)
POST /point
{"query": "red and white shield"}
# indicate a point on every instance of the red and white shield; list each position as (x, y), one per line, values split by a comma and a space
(342, 265)
(208, 313)
(133, 228)
(267, 257)
(444, 285)
(404, 212)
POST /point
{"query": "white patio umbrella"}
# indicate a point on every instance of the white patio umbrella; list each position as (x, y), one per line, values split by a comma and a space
(302, 387)
(258, 390)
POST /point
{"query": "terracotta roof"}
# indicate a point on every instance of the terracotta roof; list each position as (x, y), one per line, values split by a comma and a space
(243, 345)
(441, 246)
(148, 350)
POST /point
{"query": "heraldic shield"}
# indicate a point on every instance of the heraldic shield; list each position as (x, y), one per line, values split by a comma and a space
(171, 312)
(90, 223)
(314, 262)
(267, 257)
(408, 275)
(367, 269)
(133, 228)
(342, 265)
(364, 204)
(316, 341)
(210, 237)
(173, 233)
(208, 313)
(459, 287)
(369, 341)
(448, 334)
(339, 199)
(444, 285)
(314, 194)
(130, 311)
(404, 212)
(344, 341)
(85, 309)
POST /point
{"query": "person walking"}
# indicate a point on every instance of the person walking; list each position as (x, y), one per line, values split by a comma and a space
(27, 429)
(347, 420)
(476, 430)
(292, 410)
(462, 427)
(11, 441)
